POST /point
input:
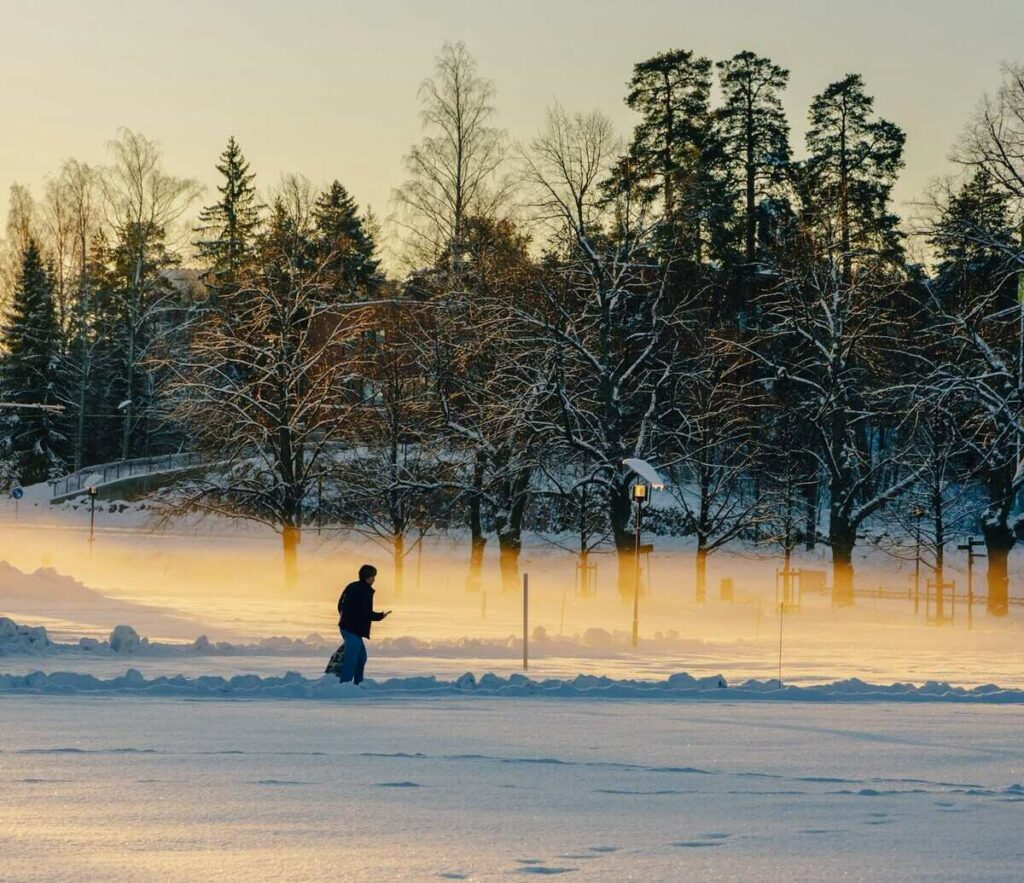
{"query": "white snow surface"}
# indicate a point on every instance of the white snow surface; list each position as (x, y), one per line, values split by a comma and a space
(482, 788)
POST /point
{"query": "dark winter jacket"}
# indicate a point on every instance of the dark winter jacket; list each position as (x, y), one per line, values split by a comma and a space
(355, 608)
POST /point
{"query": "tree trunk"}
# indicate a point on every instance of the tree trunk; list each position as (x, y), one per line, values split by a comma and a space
(702, 572)
(476, 530)
(811, 514)
(625, 541)
(509, 548)
(474, 579)
(477, 540)
(290, 537)
(939, 525)
(627, 574)
(126, 429)
(842, 538)
(83, 390)
(399, 561)
(750, 209)
(999, 540)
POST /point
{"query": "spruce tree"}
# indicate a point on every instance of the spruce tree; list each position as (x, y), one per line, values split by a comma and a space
(853, 162)
(974, 241)
(344, 243)
(34, 439)
(227, 229)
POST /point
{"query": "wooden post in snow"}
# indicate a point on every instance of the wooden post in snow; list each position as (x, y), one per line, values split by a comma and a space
(526, 621)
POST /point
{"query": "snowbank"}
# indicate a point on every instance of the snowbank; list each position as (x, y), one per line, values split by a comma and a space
(33, 640)
(676, 687)
(593, 643)
(16, 638)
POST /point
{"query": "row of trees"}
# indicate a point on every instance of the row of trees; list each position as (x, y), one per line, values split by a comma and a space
(694, 295)
(94, 292)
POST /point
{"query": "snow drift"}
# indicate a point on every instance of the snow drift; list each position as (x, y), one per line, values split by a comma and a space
(16, 638)
(592, 643)
(676, 687)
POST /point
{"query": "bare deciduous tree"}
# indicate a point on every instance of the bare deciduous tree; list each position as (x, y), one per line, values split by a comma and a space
(141, 202)
(266, 388)
(455, 171)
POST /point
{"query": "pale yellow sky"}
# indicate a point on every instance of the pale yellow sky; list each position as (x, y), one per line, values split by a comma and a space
(328, 89)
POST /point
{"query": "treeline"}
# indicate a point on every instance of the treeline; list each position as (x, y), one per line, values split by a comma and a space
(696, 295)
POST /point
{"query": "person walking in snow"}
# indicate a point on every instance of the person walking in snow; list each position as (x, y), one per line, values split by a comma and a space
(356, 615)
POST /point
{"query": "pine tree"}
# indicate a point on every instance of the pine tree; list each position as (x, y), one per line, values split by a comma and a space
(30, 374)
(227, 229)
(674, 158)
(755, 135)
(344, 243)
(853, 163)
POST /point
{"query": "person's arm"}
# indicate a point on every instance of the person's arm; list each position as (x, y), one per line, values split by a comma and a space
(378, 615)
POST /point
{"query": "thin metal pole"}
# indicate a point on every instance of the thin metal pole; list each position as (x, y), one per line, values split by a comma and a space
(970, 589)
(782, 614)
(526, 621)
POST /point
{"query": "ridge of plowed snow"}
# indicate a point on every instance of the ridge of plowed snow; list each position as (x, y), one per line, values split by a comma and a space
(678, 686)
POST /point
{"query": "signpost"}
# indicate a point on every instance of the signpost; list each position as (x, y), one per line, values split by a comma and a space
(969, 548)
(17, 492)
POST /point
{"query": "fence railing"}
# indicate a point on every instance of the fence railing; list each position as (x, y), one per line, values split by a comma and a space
(958, 595)
(102, 473)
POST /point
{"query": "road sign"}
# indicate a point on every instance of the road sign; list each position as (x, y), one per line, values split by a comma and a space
(17, 493)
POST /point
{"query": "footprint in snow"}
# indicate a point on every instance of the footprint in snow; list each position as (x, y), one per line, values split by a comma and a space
(544, 870)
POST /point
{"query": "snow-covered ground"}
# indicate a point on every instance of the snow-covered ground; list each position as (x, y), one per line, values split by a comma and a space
(231, 756)
(223, 579)
(494, 788)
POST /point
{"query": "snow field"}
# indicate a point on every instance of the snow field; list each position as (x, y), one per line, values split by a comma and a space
(487, 789)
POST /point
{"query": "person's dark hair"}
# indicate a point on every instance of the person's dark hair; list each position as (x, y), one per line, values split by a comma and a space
(366, 571)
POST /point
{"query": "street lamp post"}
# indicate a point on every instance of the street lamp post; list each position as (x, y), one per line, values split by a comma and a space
(92, 514)
(647, 479)
(639, 497)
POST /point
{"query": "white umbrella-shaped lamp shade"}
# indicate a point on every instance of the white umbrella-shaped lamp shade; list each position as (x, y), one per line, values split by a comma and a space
(646, 471)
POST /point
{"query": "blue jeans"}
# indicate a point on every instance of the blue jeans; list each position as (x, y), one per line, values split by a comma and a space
(353, 660)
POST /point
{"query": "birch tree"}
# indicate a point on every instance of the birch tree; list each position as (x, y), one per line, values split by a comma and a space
(454, 171)
(141, 202)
